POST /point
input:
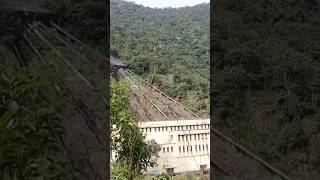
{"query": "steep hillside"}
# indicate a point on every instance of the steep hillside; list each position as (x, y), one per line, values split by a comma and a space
(169, 46)
(266, 79)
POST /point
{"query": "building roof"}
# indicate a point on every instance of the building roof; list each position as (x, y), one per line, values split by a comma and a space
(23, 5)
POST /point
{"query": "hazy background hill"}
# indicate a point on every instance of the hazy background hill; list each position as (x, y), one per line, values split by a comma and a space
(168, 46)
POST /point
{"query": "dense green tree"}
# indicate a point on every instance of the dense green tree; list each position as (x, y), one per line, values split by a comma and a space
(132, 151)
(169, 46)
(30, 124)
(266, 78)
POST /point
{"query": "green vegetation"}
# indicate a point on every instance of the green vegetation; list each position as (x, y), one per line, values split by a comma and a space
(34, 113)
(133, 154)
(265, 79)
(30, 124)
(170, 47)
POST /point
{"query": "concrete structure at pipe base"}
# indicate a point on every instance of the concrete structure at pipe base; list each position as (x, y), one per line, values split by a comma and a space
(185, 144)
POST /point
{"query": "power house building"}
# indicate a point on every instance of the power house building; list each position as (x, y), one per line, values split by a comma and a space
(185, 144)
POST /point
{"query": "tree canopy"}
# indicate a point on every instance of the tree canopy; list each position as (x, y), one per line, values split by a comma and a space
(170, 46)
(265, 79)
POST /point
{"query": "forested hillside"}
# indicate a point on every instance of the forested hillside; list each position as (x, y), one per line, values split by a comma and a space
(265, 79)
(170, 47)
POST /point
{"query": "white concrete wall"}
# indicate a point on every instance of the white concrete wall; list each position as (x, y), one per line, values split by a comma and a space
(174, 136)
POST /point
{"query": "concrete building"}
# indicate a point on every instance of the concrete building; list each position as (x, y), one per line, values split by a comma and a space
(185, 144)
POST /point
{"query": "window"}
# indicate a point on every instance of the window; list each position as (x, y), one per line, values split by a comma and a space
(179, 148)
(162, 128)
(195, 146)
(183, 148)
(190, 137)
(155, 129)
(163, 149)
(187, 149)
(182, 137)
(166, 128)
(171, 149)
(207, 147)
(171, 137)
(175, 128)
(141, 129)
(178, 137)
(195, 137)
(198, 136)
(203, 147)
(167, 149)
(203, 167)
(190, 148)
(171, 128)
(159, 129)
(150, 129)
(199, 147)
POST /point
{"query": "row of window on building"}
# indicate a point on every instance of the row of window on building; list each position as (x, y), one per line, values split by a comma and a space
(203, 136)
(183, 149)
(197, 148)
(167, 148)
(176, 128)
